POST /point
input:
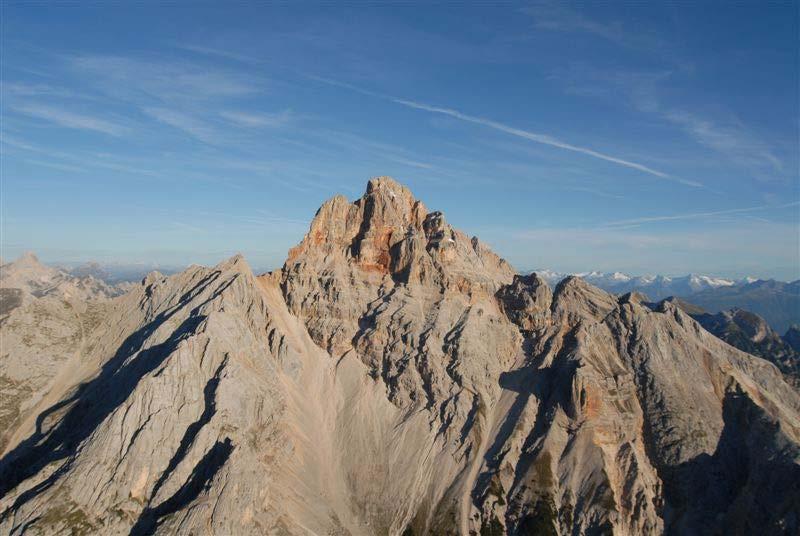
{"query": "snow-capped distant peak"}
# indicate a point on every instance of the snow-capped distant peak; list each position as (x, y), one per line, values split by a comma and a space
(707, 281)
(548, 274)
(655, 286)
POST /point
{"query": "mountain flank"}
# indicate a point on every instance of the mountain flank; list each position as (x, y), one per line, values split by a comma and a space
(750, 333)
(395, 376)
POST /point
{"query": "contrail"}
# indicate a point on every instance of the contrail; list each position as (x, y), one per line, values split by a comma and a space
(535, 137)
(696, 215)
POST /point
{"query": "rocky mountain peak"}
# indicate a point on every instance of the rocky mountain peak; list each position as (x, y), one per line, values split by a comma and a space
(236, 263)
(388, 232)
(526, 301)
(574, 299)
(28, 257)
(394, 377)
(634, 297)
(363, 230)
(384, 241)
(751, 324)
(28, 273)
(387, 186)
(28, 262)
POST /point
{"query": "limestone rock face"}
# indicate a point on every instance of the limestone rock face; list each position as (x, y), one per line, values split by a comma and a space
(396, 377)
(526, 302)
(751, 333)
(45, 316)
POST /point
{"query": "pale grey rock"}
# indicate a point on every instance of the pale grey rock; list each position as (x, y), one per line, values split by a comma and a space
(46, 316)
(397, 377)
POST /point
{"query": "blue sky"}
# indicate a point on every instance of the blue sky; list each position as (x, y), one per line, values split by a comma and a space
(643, 138)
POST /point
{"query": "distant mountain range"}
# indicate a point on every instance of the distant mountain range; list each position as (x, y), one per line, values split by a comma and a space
(777, 302)
(656, 287)
(113, 273)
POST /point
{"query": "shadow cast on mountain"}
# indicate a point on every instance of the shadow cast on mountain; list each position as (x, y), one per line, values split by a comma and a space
(209, 409)
(542, 383)
(93, 401)
(744, 487)
(200, 479)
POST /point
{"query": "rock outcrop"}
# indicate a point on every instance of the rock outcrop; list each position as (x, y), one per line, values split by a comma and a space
(750, 333)
(792, 337)
(45, 315)
(397, 377)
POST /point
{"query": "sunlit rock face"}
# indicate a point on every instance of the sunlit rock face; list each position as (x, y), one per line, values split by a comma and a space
(394, 377)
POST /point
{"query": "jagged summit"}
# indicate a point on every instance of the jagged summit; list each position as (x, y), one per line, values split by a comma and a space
(389, 232)
(28, 257)
(394, 377)
(28, 275)
(384, 244)
(26, 265)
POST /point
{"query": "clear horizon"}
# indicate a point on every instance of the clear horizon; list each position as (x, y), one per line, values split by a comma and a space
(642, 139)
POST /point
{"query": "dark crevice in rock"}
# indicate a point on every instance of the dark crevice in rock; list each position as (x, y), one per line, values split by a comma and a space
(93, 401)
(209, 397)
(551, 386)
(10, 299)
(520, 381)
(199, 480)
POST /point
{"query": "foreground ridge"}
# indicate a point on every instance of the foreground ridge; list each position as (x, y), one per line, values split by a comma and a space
(394, 377)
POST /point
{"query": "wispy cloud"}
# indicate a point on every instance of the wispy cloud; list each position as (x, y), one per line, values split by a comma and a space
(726, 134)
(722, 131)
(76, 160)
(118, 164)
(56, 165)
(216, 219)
(72, 120)
(217, 52)
(535, 137)
(11, 141)
(543, 139)
(134, 78)
(732, 140)
(188, 227)
(21, 89)
(255, 120)
(594, 191)
(696, 215)
(384, 151)
(271, 217)
(589, 237)
(186, 95)
(408, 162)
(182, 121)
(559, 17)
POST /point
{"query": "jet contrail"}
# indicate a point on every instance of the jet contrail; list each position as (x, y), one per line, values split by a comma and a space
(535, 137)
